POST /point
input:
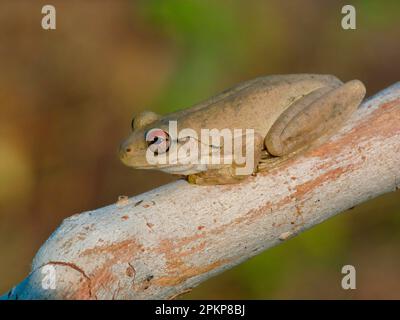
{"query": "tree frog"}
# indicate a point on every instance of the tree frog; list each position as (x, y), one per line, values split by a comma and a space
(286, 113)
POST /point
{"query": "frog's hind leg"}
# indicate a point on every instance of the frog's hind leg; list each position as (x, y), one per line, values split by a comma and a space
(320, 113)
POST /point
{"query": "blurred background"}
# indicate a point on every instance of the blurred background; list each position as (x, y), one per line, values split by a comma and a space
(67, 98)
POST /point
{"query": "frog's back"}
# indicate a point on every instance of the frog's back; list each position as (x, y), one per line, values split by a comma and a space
(254, 104)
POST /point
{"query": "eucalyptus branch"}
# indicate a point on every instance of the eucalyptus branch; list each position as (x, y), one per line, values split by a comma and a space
(164, 242)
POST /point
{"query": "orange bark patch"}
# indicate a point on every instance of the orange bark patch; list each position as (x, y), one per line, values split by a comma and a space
(311, 185)
(121, 249)
(130, 271)
(175, 251)
(186, 272)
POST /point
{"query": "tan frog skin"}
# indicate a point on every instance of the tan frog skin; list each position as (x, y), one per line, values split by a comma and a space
(287, 113)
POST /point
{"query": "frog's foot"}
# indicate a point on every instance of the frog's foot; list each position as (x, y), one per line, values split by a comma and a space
(213, 177)
(268, 162)
(320, 113)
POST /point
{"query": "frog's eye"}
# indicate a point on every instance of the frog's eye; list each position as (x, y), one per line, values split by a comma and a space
(158, 141)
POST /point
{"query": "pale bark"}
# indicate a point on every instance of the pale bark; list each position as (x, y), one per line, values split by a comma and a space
(167, 241)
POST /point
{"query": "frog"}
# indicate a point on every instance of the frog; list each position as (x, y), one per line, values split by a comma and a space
(285, 114)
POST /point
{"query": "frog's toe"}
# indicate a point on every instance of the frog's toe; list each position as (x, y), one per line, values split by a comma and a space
(192, 178)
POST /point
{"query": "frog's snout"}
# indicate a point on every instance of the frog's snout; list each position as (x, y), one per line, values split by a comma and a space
(125, 150)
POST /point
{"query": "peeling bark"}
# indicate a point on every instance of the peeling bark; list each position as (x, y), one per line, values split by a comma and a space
(162, 243)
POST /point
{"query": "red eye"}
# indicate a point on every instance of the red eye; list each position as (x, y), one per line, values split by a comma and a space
(158, 141)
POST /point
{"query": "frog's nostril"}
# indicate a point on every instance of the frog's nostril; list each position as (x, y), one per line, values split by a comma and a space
(127, 150)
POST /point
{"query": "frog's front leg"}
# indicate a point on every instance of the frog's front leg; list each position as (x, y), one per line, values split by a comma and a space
(320, 113)
(249, 153)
